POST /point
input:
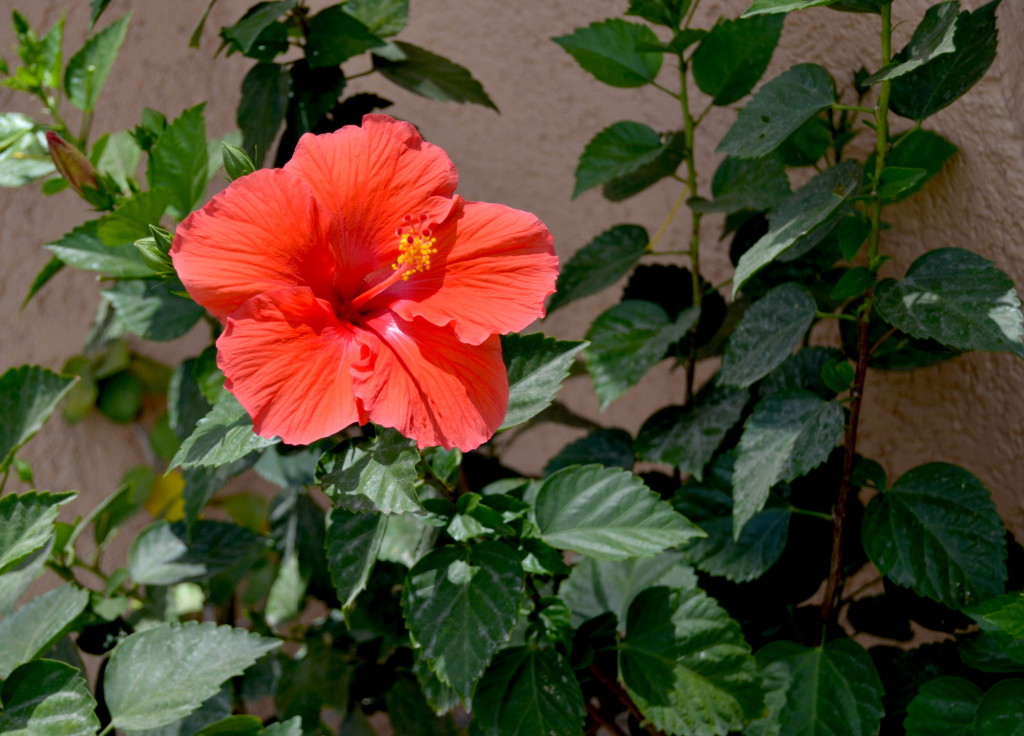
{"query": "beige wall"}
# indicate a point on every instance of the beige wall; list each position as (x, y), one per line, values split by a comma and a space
(966, 411)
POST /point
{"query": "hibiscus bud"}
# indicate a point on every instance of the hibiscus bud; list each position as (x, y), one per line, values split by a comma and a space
(71, 163)
(236, 161)
(155, 251)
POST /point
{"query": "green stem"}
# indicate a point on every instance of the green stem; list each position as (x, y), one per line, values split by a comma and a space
(666, 90)
(680, 200)
(807, 512)
(853, 108)
(689, 130)
(106, 729)
(832, 315)
(3, 481)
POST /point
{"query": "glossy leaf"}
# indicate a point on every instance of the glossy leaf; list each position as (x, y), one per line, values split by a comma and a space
(47, 698)
(29, 394)
(35, 627)
(152, 310)
(732, 57)
(165, 554)
(460, 605)
(371, 475)
(352, 543)
(88, 69)
(746, 183)
(432, 76)
(336, 36)
(537, 366)
(179, 162)
(937, 531)
(262, 107)
(599, 264)
(610, 51)
(82, 248)
(932, 38)
(1001, 710)
(224, 435)
(616, 151)
(944, 706)
(607, 514)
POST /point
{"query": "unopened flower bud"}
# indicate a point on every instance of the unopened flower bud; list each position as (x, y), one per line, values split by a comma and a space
(71, 163)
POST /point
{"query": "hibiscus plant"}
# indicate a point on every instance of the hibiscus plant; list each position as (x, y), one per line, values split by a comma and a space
(760, 576)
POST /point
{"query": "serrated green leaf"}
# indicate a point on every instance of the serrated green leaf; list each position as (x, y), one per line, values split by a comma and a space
(609, 50)
(685, 664)
(371, 475)
(788, 434)
(767, 334)
(262, 108)
(944, 706)
(596, 586)
(352, 543)
(383, 17)
(957, 298)
(165, 554)
(611, 447)
(932, 38)
(244, 34)
(665, 163)
(760, 7)
(224, 435)
(335, 36)
(288, 591)
(118, 157)
(432, 76)
(460, 605)
(33, 628)
(290, 727)
(922, 150)
(940, 82)
(896, 181)
(991, 652)
(663, 12)
(731, 59)
(833, 689)
(808, 207)
(854, 283)
(600, 263)
(1001, 710)
(628, 340)
(47, 698)
(29, 394)
(16, 579)
(82, 248)
(88, 69)
(937, 531)
(152, 310)
(154, 676)
(131, 220)
(746, 183)
(608, 514)
(616, 151)
(536, 367)
(179, 162)
(528, 691)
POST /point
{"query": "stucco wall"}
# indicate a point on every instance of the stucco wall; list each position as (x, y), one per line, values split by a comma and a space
(967, 411)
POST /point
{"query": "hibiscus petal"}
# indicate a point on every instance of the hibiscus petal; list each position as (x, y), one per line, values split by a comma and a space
(421, 380)
(288, 361)
(370, 178)
(264, 232)
(493, 269)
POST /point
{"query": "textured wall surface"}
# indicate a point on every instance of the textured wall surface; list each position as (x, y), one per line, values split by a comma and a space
(967, 411)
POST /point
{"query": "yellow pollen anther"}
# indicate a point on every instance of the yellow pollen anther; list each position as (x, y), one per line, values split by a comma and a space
(415, 247)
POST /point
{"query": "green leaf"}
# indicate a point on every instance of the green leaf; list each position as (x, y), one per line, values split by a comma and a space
(131, 220)
(1001, 710)
(612, 448)
(616, 151)
(746, 183)
(731, 59)
(528, 691)
(28, 396)
(788, 434)
(596, 586)
(262, 107)
(244, 33)
(82, 248)
(224, 435)
(410, 713)
(154, 677)
(152, 310)
(808, 207)
(16, 579)
(24, 155)
(371, 475)
(665, 163)
(767, 334)
(1004, 613)
(944, 706)
(165, 554)
(896, 181)
(922, 150)
(599, 264)
(833, 689)
(854, 283)
(460, 605)
(610, 51)
(179, 161)
(32, 629)
(352, 543)
(778, 109)
(688, 436)
(937, 531)
(383, 17)
(957, 298)
(662, 12)
(335, 36)
(685, 664)
(432, 76)
(536, 366)
(47, 272)
(802, 371)
(96, 8)
(608, 514)
(941, 81)
(628, 340)
(233, 726)
(932, 38)
(118, 158)
(760, 7)
(48, 698)
(88, 69)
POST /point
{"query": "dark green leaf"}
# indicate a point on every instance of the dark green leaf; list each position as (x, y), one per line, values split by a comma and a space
(627, 340)
(944, 706)
(767, 334)
(335, 35)
(896, 181)
(991, 652)
(29, 394)
(383, 17)
(262, 107)
(807, 144)
(686, 665)
(1001, 710)
(410, 713)
(746, 183)
(608, 514)
(854, 282)
(609, 50)
(35, 627)
(152, 310)
(432, 76)
(922, 150)
(460, 605)
(48, 698)
(371, 475)
(96, 8)
(353, 541)
(165, 554)
(88, 69)
(224, 435)
(616, 151)
(154, 677)
(612, 448)
(940, 82)
(782, 6)
(600, 263)
(932, 38)
(1004, 613)
(731, 59)
(536, 366)
(131, 221)
(937, 531)
(528, 691)
(788, 434)
(244, 33)
(47, 272)
(957, 298)
(82, 248)
(179, 162)
(662, 12)
(233, 726)
(665, 163)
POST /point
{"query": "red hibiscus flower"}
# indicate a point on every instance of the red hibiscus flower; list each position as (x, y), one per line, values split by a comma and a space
(356, 286)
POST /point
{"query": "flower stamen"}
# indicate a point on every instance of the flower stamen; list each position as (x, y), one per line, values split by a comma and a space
(415, 247)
